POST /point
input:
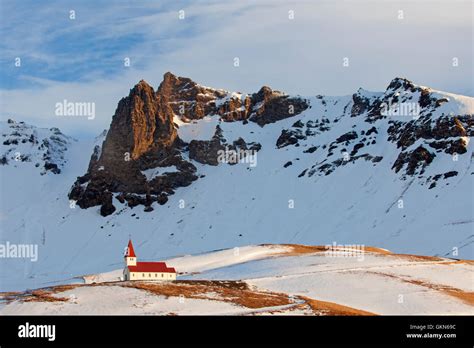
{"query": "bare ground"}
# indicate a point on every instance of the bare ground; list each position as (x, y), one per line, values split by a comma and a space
(39, 295)
(236, 292)
(300, 249)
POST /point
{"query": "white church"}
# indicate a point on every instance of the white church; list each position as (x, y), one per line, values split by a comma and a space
(145, 270)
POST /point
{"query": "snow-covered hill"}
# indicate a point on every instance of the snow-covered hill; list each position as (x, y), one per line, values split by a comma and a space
(345, 169)
(43, 148)
(271, 280)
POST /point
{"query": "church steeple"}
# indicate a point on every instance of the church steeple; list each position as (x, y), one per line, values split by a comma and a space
(130, 257)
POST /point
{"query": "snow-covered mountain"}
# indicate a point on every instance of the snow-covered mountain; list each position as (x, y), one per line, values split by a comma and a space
(392, 169)
(45, 148)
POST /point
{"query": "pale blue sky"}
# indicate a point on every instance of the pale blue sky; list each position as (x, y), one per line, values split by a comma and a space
(82, 59)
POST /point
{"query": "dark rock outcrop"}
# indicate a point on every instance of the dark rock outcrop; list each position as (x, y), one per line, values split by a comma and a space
(271, 106)
(416, 159)
(213, 151)
(289, 137)
(188, 99)
(107, 207)
(53, 167)
(360, 105)
(141, 136)
(192, 101)
(205, 151)
(347, 137)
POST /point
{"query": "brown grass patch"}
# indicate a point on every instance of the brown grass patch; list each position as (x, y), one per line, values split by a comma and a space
(7, 294)
(410, 257)
(236, 292)
(302, 306)
(39, 295)
(10, 296)
(459, 262)
(334, 309)
(375, 250)
(241, 294)
(43, 296)
(465, 296)
(300, 249)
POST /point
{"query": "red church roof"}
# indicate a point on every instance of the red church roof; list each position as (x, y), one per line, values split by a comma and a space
(130, 252)
(151, 267)
(146, 266)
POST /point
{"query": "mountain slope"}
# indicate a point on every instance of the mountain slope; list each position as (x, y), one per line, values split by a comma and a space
(345, 169)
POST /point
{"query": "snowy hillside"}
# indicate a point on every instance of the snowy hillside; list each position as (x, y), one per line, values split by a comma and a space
(43, 148)
(271, 280)
(337, 171)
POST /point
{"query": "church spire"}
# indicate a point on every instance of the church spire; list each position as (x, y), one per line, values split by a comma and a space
(130, 257)
(130, 252)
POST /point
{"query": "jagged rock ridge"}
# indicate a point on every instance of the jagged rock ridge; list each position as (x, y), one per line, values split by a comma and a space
(192, 101)
(143, 136)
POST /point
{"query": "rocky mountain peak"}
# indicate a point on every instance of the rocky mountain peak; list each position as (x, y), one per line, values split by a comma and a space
(170, 84)
(142, 136)
(169, 76)
(142, 84)
(265, 94)
(141, 120)
(401, 82)
(186, 98)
